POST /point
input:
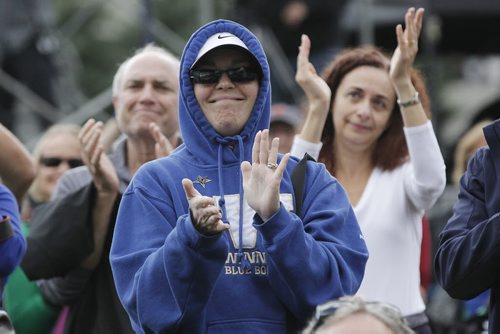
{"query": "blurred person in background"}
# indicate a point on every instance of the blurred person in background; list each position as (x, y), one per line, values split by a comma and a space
(283, 22)
(467, 146)
(368, 120)
(57, 151)
(286, 121)
(27, 47)
(289, 19)
(75, 261)
(353, 315)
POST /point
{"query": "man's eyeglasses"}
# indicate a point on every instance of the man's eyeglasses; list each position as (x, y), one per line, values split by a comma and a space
(55, 162)
(238, 74)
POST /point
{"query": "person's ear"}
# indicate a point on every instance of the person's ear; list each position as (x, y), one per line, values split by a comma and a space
(115, 102)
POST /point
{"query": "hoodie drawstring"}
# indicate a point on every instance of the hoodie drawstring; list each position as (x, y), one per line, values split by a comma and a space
(244, 263)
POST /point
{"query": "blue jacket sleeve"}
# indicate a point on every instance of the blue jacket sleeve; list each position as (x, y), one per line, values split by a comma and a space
(164, 283)
(12, 242)
(468, 258)
(319, 256)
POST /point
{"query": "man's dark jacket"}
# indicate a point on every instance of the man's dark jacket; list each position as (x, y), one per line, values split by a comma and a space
(468, 258)
(61, 237)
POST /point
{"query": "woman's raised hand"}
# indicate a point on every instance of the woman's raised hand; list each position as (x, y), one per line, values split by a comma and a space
(317, 91)
(315, 88)
(406, 51)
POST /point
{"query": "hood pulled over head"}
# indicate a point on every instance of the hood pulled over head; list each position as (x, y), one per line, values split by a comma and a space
(199, 136)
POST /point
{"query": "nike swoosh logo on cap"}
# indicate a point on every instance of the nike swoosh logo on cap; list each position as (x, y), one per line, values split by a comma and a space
(222, 36)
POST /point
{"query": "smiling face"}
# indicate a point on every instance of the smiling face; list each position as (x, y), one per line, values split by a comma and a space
(227, 105)
(363, 105)
(147, 92)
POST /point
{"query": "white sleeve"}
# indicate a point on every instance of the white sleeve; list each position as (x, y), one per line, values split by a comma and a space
(301, 147)
(428, 168)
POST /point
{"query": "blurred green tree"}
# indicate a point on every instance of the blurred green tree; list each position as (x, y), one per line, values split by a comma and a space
(96, 36)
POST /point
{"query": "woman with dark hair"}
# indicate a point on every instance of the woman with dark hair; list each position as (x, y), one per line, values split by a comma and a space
(368, 123)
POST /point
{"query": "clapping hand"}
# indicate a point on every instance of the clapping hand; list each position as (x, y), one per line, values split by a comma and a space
(406, 51)
(262, 178)
(163, 147)
(315, 88)
(206, 216)
(98, 163)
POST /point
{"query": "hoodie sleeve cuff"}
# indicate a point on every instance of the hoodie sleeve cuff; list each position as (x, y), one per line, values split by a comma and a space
(5, 228)
(275, 226)
(195, 239)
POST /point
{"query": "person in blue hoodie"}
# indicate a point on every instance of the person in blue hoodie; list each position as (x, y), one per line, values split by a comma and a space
(468, 257)
(12, 246)
(12, 242)
(208, 240)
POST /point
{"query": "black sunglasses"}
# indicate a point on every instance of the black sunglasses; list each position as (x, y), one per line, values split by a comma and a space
(238, 74)
(55, 162)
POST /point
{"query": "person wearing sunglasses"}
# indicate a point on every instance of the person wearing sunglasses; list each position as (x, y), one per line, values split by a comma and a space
(74, 263)
(57, 151)
(209, 239)
(354, 315)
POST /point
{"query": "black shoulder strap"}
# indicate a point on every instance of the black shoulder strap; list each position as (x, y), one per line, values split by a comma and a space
(298, 177)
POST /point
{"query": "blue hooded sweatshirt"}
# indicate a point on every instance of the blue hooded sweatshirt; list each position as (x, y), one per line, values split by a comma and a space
(12, 242)
(467, 261)
(257, 277)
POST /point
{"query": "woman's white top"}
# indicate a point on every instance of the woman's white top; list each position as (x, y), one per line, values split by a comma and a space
(390, 213)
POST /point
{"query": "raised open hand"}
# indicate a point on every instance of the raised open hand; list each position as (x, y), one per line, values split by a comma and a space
(102, 170)
(207, 218)
(261, 179)
(315, 88)
(406, 51)
(163, 147)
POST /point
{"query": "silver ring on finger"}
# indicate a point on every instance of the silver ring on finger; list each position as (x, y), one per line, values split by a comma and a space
(272, 165)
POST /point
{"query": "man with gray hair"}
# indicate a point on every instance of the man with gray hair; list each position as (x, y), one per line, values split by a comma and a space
(352, 314)
(74, 230)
